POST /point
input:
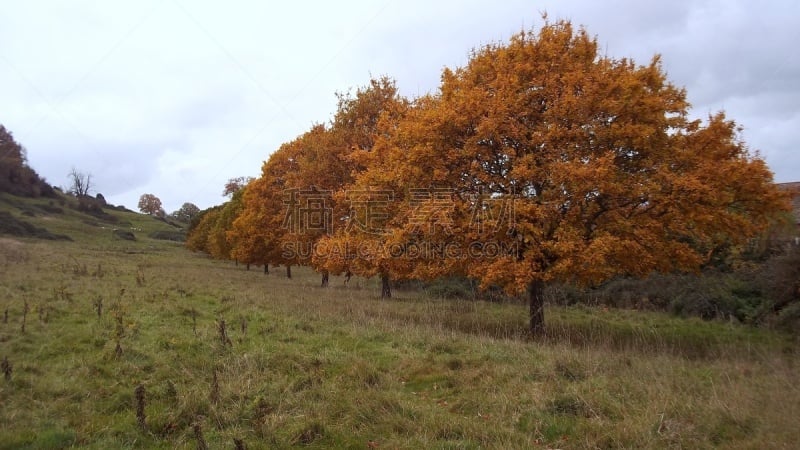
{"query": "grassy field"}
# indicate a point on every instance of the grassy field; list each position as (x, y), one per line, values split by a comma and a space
(86, 323)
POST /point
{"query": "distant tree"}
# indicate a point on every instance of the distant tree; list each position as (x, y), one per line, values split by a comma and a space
(219, 245)
(79, 183)
(16, 177)
(186, 212)
(257, 230)
(234, 185)
(12, 159)
(150, 204)
(200, 229)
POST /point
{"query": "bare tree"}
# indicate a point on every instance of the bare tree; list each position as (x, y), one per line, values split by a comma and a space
(80, 183)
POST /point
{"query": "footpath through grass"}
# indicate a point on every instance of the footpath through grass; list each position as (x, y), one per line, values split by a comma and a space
(299, 365)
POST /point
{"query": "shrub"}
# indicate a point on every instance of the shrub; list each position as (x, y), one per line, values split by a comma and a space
(451, 288)
(125, 235)
(177, 236)
(15, 227)
(780, 277)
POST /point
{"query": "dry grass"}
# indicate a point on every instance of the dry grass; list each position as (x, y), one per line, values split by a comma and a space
(338, 367)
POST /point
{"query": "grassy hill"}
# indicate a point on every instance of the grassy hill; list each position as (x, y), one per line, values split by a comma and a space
(94, 324)
(82, 222)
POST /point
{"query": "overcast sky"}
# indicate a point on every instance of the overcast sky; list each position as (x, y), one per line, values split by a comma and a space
(173, 97)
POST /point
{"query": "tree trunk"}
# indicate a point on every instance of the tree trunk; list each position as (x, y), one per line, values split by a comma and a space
(536, 299)
(386, 288)
(266, 269)
(289, 272)
(325, 277)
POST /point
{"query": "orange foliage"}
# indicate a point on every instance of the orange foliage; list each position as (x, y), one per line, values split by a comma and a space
(539, 160)
(595, 157)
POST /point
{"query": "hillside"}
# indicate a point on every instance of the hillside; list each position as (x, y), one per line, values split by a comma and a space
(225, 354)
(62, 217)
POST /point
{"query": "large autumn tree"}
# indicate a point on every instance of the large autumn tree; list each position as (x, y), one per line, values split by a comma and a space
(259, 230)
(336, 162)
(574, 166)
(200, 229)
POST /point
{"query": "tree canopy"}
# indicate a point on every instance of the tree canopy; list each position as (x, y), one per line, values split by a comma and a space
(16, 177)
(539, 160)
(186, 212)
(150, 204)
(591, 161)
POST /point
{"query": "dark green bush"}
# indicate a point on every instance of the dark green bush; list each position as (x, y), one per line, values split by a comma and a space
(16, 227)
(763, 294)
(451, 288)
(177, 236)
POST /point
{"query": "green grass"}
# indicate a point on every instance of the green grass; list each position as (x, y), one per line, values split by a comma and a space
(338, 367)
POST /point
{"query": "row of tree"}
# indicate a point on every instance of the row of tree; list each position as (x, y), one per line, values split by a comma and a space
(539, 160)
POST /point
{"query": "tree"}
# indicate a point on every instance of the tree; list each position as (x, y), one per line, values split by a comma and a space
(572, 166)
(186, 212)
(258, 230)
(306, 180)
(234, 185)
(16, 177)
(80, 183)
(150, 204)
(220, 244)
(348, 151)
(12, 161)
(200, 229)
(538, 161)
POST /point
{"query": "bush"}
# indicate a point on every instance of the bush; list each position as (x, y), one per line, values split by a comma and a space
(766, 294)
(451, 288)
(92, 207)
(177, 236)
(565, 294)
(788, 319)
(717, 295)
(780, 277)
(124, 234)
(50, 208)
(15, 227)
(710, 295)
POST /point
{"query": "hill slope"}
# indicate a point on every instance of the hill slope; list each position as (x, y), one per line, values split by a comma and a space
(82, 220)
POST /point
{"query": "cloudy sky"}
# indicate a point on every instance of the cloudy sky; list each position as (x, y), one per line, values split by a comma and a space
(173, 97)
